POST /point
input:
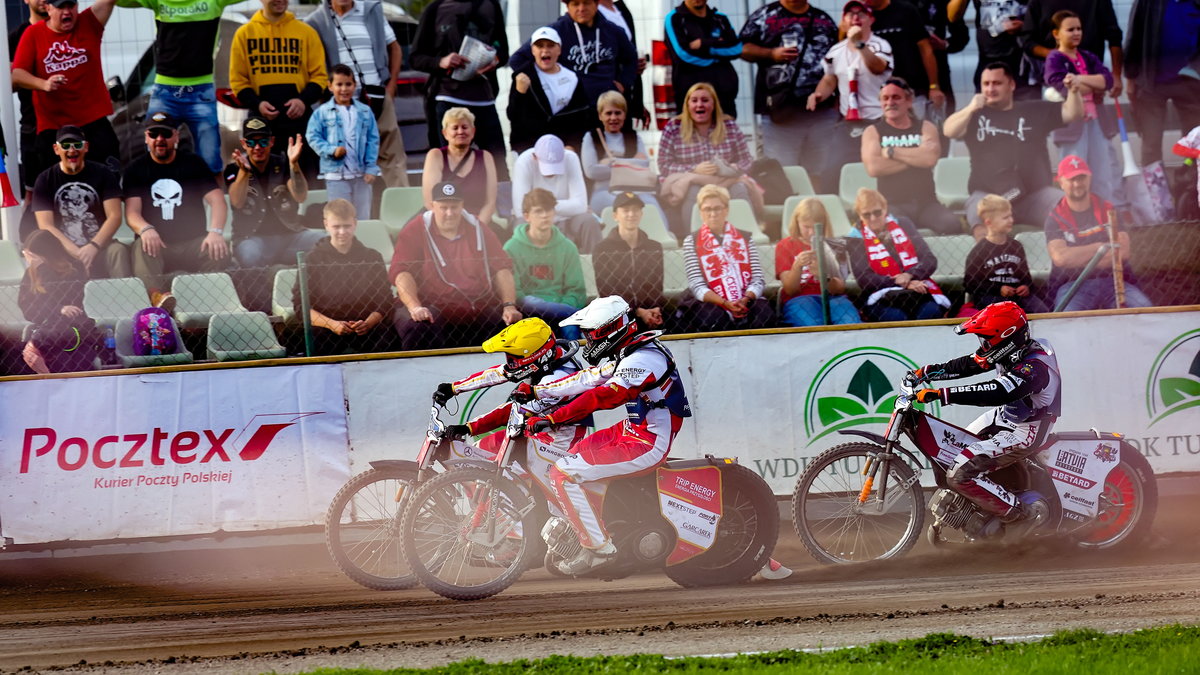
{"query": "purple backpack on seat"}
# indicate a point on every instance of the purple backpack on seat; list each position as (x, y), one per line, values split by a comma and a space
(153, 332)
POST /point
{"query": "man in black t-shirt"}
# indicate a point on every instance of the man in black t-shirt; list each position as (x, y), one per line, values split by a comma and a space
(79, 202)
(999, 34)
(265, 192)
(165, 193)
(903, 27)
(1006, 140)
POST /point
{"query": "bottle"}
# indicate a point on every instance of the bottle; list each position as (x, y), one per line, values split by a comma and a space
(109, 355)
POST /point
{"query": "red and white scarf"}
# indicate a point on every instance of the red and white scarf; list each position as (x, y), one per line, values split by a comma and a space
(726, 265)
(884, 264)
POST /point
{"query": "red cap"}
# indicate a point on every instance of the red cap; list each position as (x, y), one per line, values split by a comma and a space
(1072, 166)
(862, 6)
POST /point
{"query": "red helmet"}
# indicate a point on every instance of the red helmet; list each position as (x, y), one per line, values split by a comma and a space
(1002, 328)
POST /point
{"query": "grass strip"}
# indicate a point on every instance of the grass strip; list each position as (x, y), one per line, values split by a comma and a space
(1151, 651)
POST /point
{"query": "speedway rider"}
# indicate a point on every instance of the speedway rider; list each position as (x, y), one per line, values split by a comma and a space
(1027, 394)
(640, 374)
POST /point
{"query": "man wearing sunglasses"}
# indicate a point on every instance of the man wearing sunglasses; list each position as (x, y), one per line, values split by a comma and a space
(265, 191)
(79, 202)
(165, 193)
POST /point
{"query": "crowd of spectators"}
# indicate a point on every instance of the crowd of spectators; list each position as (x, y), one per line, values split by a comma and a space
(869, 86)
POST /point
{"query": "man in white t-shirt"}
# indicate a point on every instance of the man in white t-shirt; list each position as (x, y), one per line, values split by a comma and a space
(547, 98)
(551, 166)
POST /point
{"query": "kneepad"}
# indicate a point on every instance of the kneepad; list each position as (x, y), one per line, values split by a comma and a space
(971, 469)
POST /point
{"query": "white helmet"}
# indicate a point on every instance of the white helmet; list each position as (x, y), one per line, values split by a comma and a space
(605, 324)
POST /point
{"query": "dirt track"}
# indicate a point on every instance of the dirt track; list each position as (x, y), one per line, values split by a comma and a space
(290, 607)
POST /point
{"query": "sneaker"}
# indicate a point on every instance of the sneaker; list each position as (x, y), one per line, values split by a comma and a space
(774, 571)
(588, 559)
(163, 300)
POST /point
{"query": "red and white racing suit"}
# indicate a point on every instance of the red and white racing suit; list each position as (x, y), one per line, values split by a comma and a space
(644, 380)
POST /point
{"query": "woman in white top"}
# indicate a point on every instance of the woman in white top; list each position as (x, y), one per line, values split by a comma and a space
(613, 142)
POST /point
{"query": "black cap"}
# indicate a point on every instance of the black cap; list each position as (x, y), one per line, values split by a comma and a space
(161, 120)
(256, 127)
(627, 199)
(69, 132)
(446, 192)
(62, 3)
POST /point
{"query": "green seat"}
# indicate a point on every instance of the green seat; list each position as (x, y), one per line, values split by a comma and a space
(1036, 254)
(374, 234)
(242, 336)
(854, 176)
(652, 225)
(313, 198)
(12, 319)
(399, 205)
(589, 275)
(741, 214)
(281, 295)
(951, 252)
(838, 220)
(124, 338)
(12, 265)
(108, 301)
(199, 296)
(950, 177)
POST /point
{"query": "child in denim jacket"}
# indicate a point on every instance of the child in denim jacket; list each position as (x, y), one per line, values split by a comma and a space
(344, 135)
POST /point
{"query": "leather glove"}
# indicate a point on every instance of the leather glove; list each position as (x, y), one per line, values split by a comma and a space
(445, 392)
(523, 393)
(536, 425)
(917, 376)
(927, 395)
(456, 432)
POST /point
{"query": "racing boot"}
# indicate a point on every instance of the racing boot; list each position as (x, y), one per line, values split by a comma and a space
(588, 559)
(1030, 514)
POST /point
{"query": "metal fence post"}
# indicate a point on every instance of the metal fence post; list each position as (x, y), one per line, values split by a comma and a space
(302, 279)
(1083, 275)
(818, 246)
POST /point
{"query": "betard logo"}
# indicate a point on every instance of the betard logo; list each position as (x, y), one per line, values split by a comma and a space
(1174, 382)
(857, 388)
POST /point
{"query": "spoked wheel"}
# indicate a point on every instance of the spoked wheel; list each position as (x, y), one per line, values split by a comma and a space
(362, 528)
(841, 518)
(746, 533)
(1126, 506)
(467, 533)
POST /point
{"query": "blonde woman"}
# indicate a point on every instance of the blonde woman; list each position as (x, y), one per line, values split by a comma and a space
(472, 170)
(612, 142)
(798, 270)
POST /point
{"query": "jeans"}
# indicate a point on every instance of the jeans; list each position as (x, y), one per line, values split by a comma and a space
(551, 313)
(805, 310)
(1099, 294)
(355, 190)
(275, 249)
(197, 106)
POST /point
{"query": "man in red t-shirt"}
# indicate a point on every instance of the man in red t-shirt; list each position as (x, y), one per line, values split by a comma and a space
(59, 59)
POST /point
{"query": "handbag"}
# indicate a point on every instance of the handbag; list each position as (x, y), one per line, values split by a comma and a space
(627, 176)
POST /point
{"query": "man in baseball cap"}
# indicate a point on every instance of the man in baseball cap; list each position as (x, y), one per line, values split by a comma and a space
(446, 192)
(1075, 230)
(551, 166)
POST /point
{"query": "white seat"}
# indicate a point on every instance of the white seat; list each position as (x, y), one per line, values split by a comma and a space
(399, 204)
(314, 198)
(12, 264)
(951, 252)
(199, 296)
(854, 176)
(12, 319)
(766, 257)
(950, 178)
(281, 294)
(652, 224)
(124, 349)
(589, 275)
(242, 336)
(107, 301)
(674, 272)
(838, 220)
(741, 214)
(374, 234)
(801, 183)
(1036, 254)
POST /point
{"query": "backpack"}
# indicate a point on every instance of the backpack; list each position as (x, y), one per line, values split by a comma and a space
(769, 175)
(153, 332)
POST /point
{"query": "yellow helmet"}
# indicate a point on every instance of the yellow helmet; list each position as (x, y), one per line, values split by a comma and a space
(528, 346)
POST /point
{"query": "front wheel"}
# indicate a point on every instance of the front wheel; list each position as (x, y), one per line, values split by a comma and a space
(362, 528)
(841, 517)
(746, 534)
(468, 533)
(1126, 506)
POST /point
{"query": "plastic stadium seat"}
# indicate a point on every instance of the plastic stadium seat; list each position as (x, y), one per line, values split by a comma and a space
(124, 337)
(1036, 253)
(652, 225)
(950, 177)
(124, 233)
(854, 176)
(798, 177)
(281, 295)
(12, 319)
(313, 198)
(838, 219)
(589, 275)
(374, 234)
(242, 336)
(399, 205)
(228, 224)
(951, 252)
(766, 257)
(108, 301)
(674, 273)
(12, 265)
(199, 296)
(741, 214)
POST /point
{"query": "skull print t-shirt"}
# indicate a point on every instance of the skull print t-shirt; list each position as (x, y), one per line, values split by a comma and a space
(172, 194)
(77, 201)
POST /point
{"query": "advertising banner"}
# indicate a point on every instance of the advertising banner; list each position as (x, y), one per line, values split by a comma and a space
(170, 453)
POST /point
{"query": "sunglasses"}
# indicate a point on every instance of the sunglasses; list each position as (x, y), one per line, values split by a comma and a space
(160, 133)
(872, 214)
(72, 145)
(257, 142)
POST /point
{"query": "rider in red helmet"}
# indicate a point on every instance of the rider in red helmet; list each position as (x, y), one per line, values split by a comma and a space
(1026, 393)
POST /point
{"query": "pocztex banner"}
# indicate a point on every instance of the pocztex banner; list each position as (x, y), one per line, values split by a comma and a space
(170, 453)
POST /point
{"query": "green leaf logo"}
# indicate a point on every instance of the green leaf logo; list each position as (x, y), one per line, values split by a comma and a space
(1175, 389)
(869, 383)
(1173, 384)
(855, 389)
(831, 409)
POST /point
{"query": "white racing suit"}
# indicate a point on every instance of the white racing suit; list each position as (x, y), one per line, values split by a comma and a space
(642, 378)
(1027, 395)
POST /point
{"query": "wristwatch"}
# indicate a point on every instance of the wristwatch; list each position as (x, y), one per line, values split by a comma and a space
(507, 304)
(891, 152)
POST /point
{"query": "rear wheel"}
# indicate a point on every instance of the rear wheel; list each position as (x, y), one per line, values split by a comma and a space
(1126, 505)
(362, 528)
(841, 519)
(468, 533)
(746, 533)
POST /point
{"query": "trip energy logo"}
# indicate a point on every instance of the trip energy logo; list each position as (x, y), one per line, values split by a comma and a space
(1174, 381)
(856, 388)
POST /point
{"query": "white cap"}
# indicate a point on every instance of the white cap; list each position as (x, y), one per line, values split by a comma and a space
(550, 153)
(546, 33)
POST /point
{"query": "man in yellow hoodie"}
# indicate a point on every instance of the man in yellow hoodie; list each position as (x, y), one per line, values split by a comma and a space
(277, 68)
